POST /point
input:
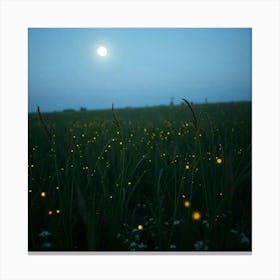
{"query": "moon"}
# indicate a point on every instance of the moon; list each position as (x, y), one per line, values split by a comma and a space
(102, 51)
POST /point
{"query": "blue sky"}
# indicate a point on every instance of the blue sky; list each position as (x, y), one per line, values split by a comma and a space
(143, 67)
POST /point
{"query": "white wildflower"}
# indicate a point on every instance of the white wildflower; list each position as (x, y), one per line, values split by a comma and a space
(200, 246)
(45, 234)
(142, 245)
(132, 244)
(176, 222)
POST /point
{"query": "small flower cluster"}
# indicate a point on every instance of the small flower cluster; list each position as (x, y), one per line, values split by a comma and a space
(131, 237)
(45, 242)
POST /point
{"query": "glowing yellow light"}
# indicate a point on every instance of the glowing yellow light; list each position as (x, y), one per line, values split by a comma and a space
(196, 215)
(57, 211)
(50, 212)
(187, 204)
(129, 183)
(121, 142)
(30, 190)
(140, 227)
(219, 161)
(43, 194)
(187, 167)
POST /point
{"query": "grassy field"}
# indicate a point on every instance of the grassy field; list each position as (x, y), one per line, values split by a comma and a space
(141, 179)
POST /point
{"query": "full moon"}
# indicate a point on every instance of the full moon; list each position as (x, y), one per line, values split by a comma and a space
(102, 51)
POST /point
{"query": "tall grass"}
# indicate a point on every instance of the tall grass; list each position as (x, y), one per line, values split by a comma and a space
(162, 178)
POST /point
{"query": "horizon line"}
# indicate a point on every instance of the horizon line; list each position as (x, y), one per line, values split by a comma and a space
(83, 108)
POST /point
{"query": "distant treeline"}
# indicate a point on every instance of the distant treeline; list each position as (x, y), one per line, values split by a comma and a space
(82, 109)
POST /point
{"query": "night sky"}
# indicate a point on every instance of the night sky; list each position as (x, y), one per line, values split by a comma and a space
(143, 66)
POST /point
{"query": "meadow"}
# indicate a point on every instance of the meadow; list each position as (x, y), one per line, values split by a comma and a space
(165, 178)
